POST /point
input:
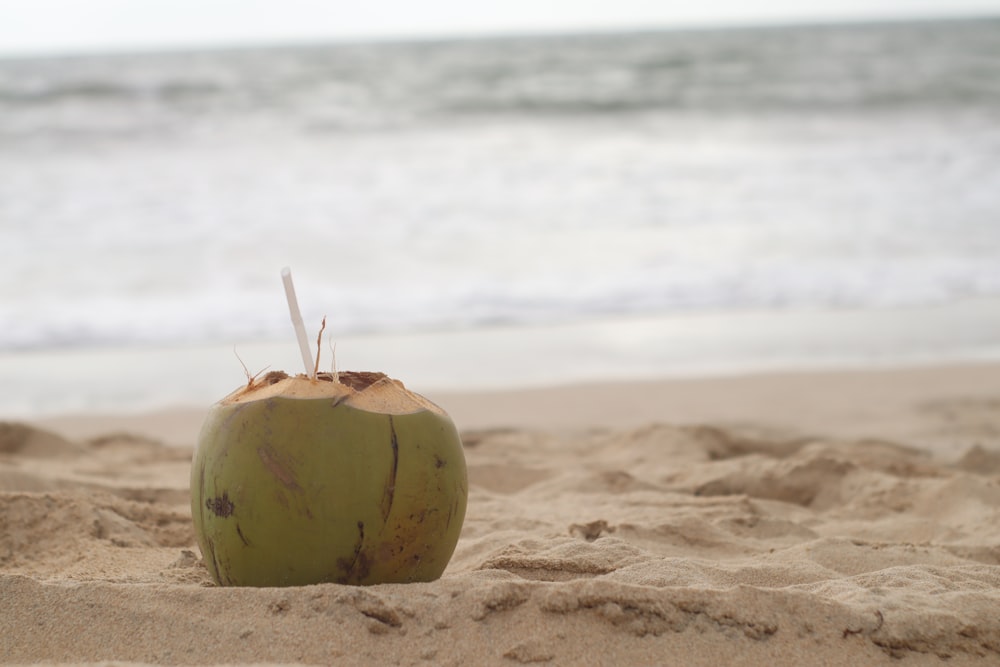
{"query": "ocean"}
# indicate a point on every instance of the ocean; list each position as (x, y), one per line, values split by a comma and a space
(152, 199)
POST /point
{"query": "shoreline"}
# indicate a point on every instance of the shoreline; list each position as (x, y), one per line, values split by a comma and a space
(627, 349)
(904, 404)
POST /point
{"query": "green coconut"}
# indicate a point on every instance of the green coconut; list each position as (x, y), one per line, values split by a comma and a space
(350, 479)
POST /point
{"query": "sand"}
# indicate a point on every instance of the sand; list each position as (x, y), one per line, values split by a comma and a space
(815, 518)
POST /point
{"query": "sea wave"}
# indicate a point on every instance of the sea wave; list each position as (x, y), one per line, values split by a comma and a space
(239, 314)
(804, 70)
(152, 198)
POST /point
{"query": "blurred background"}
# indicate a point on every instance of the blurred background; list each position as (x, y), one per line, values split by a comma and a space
(544, 193)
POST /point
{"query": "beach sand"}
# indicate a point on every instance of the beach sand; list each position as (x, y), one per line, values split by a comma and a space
(828, 518)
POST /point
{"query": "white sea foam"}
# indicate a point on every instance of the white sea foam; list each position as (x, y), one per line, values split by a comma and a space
(154, 199)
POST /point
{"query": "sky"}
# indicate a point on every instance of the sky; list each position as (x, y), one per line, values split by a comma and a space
(71, 26)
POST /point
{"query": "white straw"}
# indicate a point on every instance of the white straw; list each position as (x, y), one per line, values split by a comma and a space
(300, 327)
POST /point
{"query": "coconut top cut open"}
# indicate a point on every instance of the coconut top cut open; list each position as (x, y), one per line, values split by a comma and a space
(364, 390)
